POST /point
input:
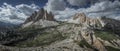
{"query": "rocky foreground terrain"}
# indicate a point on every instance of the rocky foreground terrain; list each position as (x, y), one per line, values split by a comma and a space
(41, 32)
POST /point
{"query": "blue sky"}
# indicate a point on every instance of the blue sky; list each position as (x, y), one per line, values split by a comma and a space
(41, 3)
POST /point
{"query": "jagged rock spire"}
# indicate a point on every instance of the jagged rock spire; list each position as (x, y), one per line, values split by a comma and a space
(41, 14)
(80, 16)
(87, 21)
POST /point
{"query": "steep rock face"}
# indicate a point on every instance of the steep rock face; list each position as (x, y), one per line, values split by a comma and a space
(41, 14)
(39, 18)
(101, 23)
(90, 22)
(89, 36)
(98, 23)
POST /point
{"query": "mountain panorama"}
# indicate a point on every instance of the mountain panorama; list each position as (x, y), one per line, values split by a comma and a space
(56, 26)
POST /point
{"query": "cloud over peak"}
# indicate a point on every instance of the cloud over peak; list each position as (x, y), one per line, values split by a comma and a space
(54, 5)
(95, 8)
(16, 14)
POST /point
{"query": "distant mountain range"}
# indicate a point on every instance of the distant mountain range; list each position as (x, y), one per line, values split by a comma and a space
(7, 26)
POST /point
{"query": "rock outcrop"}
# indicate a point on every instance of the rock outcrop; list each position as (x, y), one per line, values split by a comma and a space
(42, 17)
(89, 36)
(91, 22)
(41, 14)
(98, 23)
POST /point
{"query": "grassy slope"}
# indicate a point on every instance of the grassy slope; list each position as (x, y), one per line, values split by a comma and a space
(43, 39)
(44, 36)
(106, 35)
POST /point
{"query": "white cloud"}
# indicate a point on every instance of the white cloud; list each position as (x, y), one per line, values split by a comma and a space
(97, 9)
(78, 2)
(104, 6)
(54, 5)
(27, 9)
(17, 14)
(84, 2)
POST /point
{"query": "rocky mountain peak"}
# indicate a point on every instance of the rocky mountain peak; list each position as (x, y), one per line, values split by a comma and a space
(87, 21)
(41, 14)
(41, 18)
(98, 23)
(79, 15)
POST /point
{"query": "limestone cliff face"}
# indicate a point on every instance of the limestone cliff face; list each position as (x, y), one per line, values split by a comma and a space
(41, 14)
(98, 23)
(90, 37)
(93, 22)
(42, 17)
